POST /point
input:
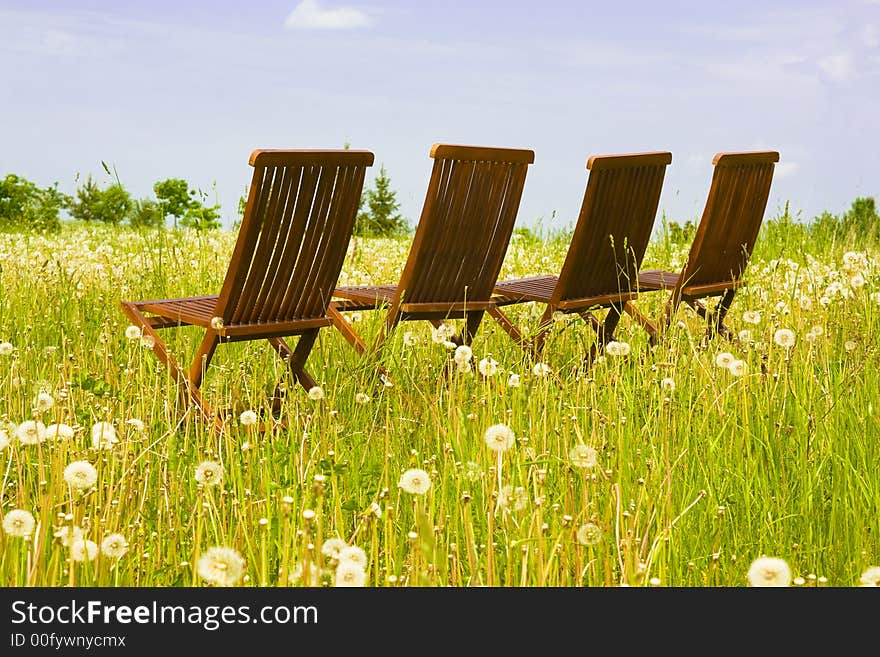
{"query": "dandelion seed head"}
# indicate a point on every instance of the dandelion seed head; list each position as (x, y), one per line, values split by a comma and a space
(332, 547)
(850, 345)
(583, 456)
(44, 402)
(857, 282)
(488, 367)
(209, 473)
(220, 565)
(350, 574)
(769, 571)
(415, 481)
(870, 577)
(410, 339)
(361, 398)
(68, 534)
(752, 317)
(248, 418)
(737, 367)
(745, 335)
(784, 337)
(442, 334)
(499, 437)
(589, 534)
(80, 475)
(615, 348)
(114, 546)
(511, 498)
(59, 432)
(4, 440)
(541, 369)
(6, 348)
(316, 393)
(132, 332)
(30, 432)
(19, 522)
(354, 554)
(217, 323)
(103, 435)
(668, 384)
(135, 424)
(463, 354)
(83, 550)
(148, 341)
(724, 359)
(513, 380)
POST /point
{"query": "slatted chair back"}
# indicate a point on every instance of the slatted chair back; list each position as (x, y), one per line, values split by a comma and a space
(730, 223)
(294, 235)
(465, 227)
(613, 228)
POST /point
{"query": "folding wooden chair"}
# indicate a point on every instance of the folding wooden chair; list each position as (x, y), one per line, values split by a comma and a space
(722, 245)
(460, 242)
(291, 245)
(606, 250)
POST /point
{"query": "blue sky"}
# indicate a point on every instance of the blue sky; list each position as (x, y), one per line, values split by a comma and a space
(167, 89)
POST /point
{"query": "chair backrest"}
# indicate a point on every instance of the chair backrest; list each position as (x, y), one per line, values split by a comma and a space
(466, 223)
(614, 226)
(294, 236)
(731, 219)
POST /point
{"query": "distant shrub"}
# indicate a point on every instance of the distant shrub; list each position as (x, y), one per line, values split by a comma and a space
(110, 205)
(24, 205)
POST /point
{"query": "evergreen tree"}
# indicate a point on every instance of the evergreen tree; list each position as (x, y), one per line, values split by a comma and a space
(381, 219)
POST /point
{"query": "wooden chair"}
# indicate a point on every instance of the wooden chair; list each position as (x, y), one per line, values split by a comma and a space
(291, 245)
(722, 245)
(606, 250)
(460, 242)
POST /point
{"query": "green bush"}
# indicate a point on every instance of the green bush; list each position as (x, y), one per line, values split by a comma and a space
(23, 205)
(111, 205)
(381, 219)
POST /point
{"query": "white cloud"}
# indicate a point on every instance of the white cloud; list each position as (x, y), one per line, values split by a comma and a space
(307, 15)
(838, 66)
(870, 36)
(786, 169)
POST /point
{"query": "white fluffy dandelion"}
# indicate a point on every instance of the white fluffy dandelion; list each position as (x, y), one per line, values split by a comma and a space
(615, 348)
(857, 282)
(6, 348)
(114, 546)
(221, 565)
(350, 574)
(209, 473)
(583, 456)
(784, 337)
(850, 345)
(870, 577)
(442, 334)
(332, 547)
(745, 335)
(354, 554)
(316, 393)
(488, 367)
(589, 534)
(83, 550)
(752, 317)
(67, 534)
(541, 369)
(135, 424)
(80, 475)
(44, 402)
(737, 367)
(103, 435)
(668, 384)
(515, 499)
(296, 575)
(59, 432)
(415, 481)
(410, 339)
(769, 571)
(133, 332)
(362, 398)
(513, 380)
(19, 522)
(724, 359)
(462, 354)
(4, 440)
(248, 418)
(499, 437)
(30, 432)
(148, 341)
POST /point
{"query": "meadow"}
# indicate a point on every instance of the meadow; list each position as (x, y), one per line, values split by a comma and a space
(692, 463)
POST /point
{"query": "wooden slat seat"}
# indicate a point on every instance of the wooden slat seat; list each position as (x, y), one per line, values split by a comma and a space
(460, 242)
(603, 259)
(287, 258)
(723, 243)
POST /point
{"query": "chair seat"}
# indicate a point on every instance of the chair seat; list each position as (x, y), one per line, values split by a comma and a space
(658, 279)
(363, 297)
(532, 288)
(198, 311)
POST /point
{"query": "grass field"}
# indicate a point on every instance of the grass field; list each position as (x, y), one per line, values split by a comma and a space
(679, 465)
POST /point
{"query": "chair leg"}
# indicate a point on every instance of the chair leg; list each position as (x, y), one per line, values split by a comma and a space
(642, 320)
(296, 358)
(717, 324)
(472, 323)
(203, 357)
(604, 330)
(346, 329)
(510, 328)
(189, 391)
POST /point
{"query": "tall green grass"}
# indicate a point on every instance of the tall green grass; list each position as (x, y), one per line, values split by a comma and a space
(690, 484)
